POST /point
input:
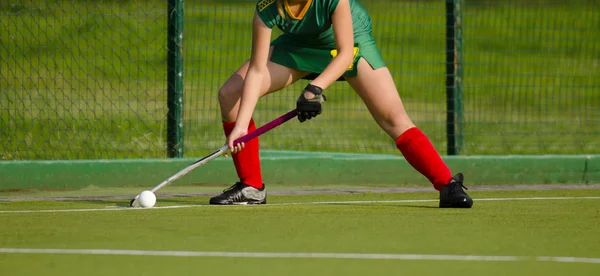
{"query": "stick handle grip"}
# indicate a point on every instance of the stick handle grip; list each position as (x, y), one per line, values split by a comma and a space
(268, 126)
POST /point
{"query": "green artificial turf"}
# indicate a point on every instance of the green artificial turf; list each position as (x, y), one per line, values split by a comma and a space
(557, 223)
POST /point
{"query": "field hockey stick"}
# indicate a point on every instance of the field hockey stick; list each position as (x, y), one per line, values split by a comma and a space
(257, 132)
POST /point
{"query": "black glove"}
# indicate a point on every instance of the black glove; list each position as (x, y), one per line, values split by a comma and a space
(309, 108)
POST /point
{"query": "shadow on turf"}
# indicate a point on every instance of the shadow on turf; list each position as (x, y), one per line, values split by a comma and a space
(385, 205)
(183, 201)
(122, 203)
(104, 203)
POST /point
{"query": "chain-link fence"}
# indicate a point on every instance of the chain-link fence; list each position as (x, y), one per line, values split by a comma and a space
(88, 79)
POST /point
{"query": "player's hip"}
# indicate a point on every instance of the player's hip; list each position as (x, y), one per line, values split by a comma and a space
(315, 59)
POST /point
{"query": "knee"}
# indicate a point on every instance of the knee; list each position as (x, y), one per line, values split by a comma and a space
(396, 117)
(229, 93)
(396, 122)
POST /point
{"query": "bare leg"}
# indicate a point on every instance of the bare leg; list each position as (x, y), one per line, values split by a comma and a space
(230, 93)
(377, 89)
(247, 161)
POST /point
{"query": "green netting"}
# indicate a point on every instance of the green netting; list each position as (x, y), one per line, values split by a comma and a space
(531, 80)
(532, 77)
(412, 39)
(88, 79)
(82, 79)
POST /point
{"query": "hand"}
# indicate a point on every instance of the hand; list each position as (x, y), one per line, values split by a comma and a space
(307, 106)
(234, 135)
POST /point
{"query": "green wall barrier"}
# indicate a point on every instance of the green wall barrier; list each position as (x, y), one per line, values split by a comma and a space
(284, 168)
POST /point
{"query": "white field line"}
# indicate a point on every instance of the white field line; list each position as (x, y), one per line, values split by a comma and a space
(286, 255)
(113, 208)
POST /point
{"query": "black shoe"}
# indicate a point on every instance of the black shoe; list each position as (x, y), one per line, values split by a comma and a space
(453, 195)
(240, 194)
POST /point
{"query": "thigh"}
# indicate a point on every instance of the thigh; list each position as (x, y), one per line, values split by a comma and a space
(378, 91)
(278, 77)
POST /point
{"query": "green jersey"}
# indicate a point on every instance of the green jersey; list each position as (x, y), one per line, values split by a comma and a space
(308, 42)
(314, 28)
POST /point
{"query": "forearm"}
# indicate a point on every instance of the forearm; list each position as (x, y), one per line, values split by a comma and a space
(250, 95)
(334, 70)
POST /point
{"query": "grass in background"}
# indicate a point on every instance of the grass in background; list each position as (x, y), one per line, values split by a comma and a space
(83, 80)
(87, 79)
(365, 223)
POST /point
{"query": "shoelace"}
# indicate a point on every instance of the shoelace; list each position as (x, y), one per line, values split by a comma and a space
(463, 186)
(459, 184)
(230, 188)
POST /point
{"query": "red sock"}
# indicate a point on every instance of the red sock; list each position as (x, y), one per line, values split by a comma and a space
(420, 153)
(247, 161)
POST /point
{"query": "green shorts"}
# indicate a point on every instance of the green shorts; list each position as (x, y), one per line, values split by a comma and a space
(314, 60)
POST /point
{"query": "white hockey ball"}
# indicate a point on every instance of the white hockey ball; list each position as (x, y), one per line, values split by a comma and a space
(147, 199)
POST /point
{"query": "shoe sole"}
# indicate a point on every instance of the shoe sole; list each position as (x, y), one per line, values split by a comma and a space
(249, 203)
(240, 203)
(460, 205)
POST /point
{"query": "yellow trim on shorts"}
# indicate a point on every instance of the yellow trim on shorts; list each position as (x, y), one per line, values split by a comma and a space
(334, 53)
